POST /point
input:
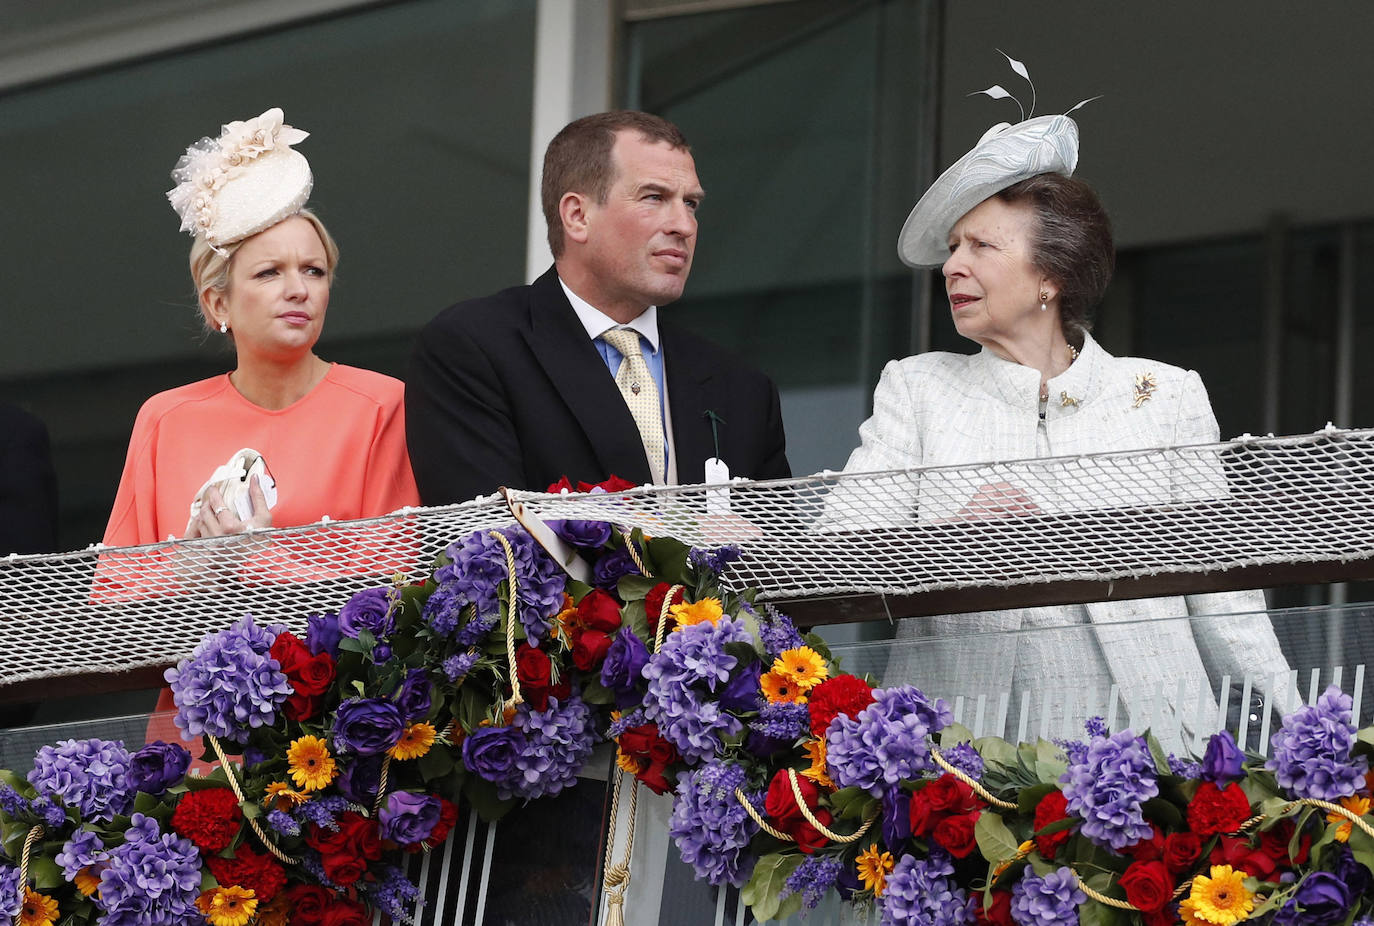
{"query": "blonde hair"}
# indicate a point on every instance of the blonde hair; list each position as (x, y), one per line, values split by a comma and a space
(210, 268)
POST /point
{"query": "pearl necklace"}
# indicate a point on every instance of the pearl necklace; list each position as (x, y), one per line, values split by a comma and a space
(1045, 386)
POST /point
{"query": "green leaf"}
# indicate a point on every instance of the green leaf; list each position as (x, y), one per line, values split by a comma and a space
(666, 558)
(481, 794)
(251, 811)
(744, 653)
(593, 692)
(1170, 818)
(995, 750)
(995, 840)
(1157, 753)
(632, 616)
(635, 588)
(851, 803)
(44, 871)
(1027, 799)
(350, 645)
(578, 590)
(954, 734)
(770, 873)
(436, 763)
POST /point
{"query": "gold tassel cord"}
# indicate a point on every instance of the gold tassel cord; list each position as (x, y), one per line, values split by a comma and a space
(969, 780)
(810, 818)
(516, 698)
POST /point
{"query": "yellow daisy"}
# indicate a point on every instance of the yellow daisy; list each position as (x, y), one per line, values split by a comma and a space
(1359, 806)
(818, 772)
(87, 881)
(227, 906)
(414, 742)
(873, 868)
(311, 765)
(1220, 899)
(803, 665)
(707, 609)
(38, 910)
(281, 796)
(779, 689)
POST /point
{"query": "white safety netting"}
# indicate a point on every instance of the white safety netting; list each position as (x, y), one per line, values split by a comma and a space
(1105, 516)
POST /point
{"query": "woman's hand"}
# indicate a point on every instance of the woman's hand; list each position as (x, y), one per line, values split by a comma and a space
(999, 500)
(217, 519)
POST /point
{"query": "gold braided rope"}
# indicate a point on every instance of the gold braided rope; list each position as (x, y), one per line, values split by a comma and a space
(796, 790)
(516, 698)
(34, 835)
(634, 554)
(381, 786)
(967, 779)
(663, 616)
(238, 793)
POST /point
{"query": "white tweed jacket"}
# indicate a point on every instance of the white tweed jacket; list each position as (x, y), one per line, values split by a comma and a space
(947, 409)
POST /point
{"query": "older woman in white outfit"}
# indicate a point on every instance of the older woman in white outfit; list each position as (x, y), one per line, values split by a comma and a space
(1026, 251)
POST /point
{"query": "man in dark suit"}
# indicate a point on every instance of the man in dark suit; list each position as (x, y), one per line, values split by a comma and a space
(542, 381)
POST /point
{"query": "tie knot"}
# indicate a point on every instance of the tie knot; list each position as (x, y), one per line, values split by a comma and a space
(625, 340)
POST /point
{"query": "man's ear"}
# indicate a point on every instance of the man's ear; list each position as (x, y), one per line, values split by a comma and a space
(573, 212)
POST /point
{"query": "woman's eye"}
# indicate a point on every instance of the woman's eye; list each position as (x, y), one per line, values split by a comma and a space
(315, 271)
(266, 272)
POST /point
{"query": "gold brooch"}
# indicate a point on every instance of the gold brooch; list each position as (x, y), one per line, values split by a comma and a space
(1065, 400)
(1144, 388)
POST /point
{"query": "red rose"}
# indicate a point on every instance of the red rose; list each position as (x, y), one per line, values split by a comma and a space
(308, 903)
(653, 602)
(1274, 844)
(1214, 810)
(343, 868)
(955, 833)
(1052, 808)
(535, 671)
(809, 839)
(1165, 917)
(288, 650)
(309, 676)
(651, 753)
(1149, 849)
(345, 852)
(612, 483)
(315, 676)
(343, 913)
(999, 914)
(258, 872)
(1148, 885)
(598, 611)
(922, 816)
(781, 804)
(1237, 852)
(589, 649)
(843, 694)
(562, 485)
(209, 818)
(948, 794)
(654, 778)
(1181, 852)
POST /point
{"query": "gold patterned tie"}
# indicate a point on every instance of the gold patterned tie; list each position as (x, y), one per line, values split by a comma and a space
(641, 395)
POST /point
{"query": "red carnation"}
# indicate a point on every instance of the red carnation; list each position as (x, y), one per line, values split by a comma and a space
(843, 694)
(1052, 808)
(653, 602)
(1148, 885)
(955, 833)
(209, 818)
(258, 872)
(598, 611)
(1214, 810)
(612, 483)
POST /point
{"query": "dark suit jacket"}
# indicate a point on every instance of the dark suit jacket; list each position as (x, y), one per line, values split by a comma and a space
(28, 486)
(509, 390)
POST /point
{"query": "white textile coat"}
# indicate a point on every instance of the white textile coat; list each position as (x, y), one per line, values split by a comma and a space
(941, 409)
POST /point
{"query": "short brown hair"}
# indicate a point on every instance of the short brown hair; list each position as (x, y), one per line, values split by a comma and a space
(1072, 243)
(578, 160)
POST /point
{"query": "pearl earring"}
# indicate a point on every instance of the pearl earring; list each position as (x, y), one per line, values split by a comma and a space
(223, 327)
(1044, 301)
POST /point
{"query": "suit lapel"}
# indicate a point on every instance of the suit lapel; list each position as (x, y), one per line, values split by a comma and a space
(690, 396)
(560, 344)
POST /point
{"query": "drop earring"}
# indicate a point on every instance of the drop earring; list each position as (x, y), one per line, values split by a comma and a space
(1044, 301)
(223, 327)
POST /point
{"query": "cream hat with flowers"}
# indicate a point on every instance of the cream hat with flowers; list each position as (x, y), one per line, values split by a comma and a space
(246, 180)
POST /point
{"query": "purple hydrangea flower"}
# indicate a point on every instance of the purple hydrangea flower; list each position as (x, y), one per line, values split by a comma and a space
(230, 684)
(966, 759)
(612, 567)
(683, 678)
(393, 894)
(11, 893)
(1223, 762)
(443, 608)
(457, 666)
(90, 775)
(476, 630)
(367, 726)
(478, 568)
(622, 670)
(538, 754)
(1312, 752)
(920, 892)
(813, 879)
(783, 721)
(710, 826)
(322, 634)
(589, 535)
(1322, 899)
(776, 630)
(715, 561)
(158, 766)
(888, 742)
(153, 879)
(82, 850)
(1109, 787)
(408, 817)
(1049, 901)
(51, 813)
(896, 808)
(371, 609)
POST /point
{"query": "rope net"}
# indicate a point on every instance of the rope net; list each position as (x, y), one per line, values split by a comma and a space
(1128, 514)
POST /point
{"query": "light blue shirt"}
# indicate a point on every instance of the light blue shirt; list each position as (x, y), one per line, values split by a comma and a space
(646, 326)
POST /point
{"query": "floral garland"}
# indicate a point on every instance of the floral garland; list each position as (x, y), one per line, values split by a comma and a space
(489, 682)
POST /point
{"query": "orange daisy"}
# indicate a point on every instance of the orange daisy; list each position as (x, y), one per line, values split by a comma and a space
(414, 742)
(778, 688)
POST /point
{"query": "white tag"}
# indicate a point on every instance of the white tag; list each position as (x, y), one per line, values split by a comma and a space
(717, 500)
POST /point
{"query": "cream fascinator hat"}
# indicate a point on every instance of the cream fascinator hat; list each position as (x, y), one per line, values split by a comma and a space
(245, 181)
(1006, 154)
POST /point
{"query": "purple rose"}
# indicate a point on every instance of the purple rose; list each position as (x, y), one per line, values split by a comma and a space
(407, 817)
(610, 568)
(1223, 761)
(1321, 900)
(367, 726)
(380, 654)
(158, 766)
(1352, 874)
(369, 610)
(742, 691)
(491, 752)
(413, 697)
(322, 634)
(359, 778)
(896, 817)
(585, 534)
(763, 745)
(620, 672)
